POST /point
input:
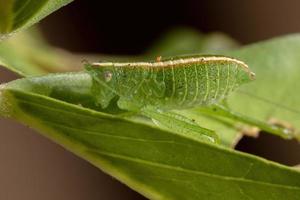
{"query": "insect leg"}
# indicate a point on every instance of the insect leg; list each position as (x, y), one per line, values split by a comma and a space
(180, 124)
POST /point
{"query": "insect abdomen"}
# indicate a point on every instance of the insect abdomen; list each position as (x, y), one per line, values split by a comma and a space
(199, 83)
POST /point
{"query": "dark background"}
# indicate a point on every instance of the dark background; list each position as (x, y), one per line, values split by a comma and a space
(127, 27)
(33, 168)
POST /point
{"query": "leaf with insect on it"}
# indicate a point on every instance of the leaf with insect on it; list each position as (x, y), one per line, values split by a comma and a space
(188, 81)
(138, 162)
(158, 164)
(183, 40)
(272, 97)
(269, 98)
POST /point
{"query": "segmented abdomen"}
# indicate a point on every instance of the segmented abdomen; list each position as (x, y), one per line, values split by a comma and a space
(201, 83)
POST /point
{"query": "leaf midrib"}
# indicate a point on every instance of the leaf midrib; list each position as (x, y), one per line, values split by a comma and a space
(138, 160)
(194, 172)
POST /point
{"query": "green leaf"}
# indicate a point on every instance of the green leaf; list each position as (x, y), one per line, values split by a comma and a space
(184, 40)
(28, 54)
(274, 94)
(16, 54)
(20, 14)
(156, 163)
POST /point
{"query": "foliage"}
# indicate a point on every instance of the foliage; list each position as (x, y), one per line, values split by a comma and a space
(157, 163)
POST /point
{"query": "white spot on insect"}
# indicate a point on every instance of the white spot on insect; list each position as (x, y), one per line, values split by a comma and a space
(107, 76)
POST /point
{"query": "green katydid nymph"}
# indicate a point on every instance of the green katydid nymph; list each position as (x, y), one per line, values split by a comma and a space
(156, 88)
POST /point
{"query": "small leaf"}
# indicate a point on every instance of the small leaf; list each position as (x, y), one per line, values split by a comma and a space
(28, 54)
(156, 163)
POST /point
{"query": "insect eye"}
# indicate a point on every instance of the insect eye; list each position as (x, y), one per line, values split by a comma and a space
(107, 76)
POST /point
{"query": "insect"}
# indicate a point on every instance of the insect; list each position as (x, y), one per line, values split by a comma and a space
(177, 83)
(155, 89)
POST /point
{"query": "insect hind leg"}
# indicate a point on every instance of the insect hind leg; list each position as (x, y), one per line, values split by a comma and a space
(179, 124)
